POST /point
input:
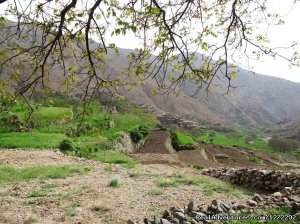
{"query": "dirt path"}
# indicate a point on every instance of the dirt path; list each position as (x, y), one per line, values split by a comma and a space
(88, 198)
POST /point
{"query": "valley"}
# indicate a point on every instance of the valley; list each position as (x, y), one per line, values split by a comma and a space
(74, 149)
(56, 166)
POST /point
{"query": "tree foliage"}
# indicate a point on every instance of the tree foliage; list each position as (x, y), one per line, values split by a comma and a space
(50, 36)
(282, 144)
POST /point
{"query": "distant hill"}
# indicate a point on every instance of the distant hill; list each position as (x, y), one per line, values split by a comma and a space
(258, 99)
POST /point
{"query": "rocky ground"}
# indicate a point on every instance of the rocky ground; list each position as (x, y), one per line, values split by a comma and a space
(281, 190)
(87, 198)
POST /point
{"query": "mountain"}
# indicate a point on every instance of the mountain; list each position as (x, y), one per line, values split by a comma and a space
(258, 99)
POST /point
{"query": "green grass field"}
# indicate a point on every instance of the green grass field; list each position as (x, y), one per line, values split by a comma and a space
(52, 114)
(227, 140)
(30, 140)
(184, 139)
(53, 124)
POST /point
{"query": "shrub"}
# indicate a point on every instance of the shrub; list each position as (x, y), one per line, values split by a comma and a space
(254, 159)
(198, 166)
(11, 121)
(139, 132)
(66, 145)
(115, 182)
(283, 145)
(166, 182)
(84, 153)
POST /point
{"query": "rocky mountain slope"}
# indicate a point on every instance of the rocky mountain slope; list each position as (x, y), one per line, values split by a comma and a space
(257, 99)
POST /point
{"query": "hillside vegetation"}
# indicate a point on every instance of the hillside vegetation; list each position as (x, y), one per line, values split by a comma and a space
(86, 132)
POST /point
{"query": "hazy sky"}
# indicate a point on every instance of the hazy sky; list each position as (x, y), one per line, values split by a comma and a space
(279, 36)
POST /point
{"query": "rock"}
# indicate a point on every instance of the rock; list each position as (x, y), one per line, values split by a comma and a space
(176, 221)
(295, 207)
(251, 202)
(156, 220)
(191, 207)
(287, 202)
(284, 192)
(218, 206)
(277, 194)
(131, 222)
(242, 207)
(221, 156)
(179, 215)
(256, 179)
(175, 209)
(226, 207)
(294, 198)
(192, 214)
(212, 209)
(165, 221)
(166, 214)
(194, 221)
(257, 198)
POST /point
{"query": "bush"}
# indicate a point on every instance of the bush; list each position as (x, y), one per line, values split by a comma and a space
(115, 182)
(139, 132)
(85, 128)
(254, 159)
(11, 122)
(66, 145)
(198, 166)
(84, 153)
(283, 145)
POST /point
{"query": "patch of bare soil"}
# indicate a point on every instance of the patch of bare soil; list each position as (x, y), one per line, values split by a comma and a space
(155, 150)
(23, 158)
(214, 156)
(88, 198)
(156, 158)
(155, 143)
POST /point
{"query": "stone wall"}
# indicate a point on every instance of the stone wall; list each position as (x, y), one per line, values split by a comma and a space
(267, 180)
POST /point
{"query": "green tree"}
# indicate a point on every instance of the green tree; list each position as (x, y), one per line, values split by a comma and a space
(282, 144)
(61, 33)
